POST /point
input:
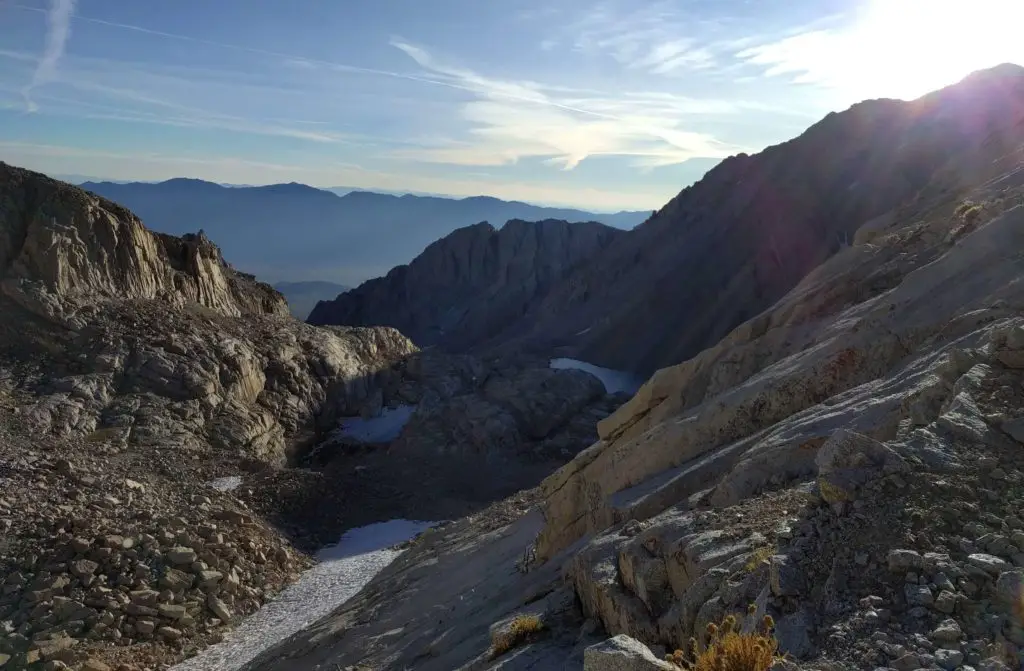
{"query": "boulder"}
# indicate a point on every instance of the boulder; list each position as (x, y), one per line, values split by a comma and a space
(219, 608)
(793, 632)
(622, 653)
(848, 460)
(180, 556)
(175, 580)
(785, 577)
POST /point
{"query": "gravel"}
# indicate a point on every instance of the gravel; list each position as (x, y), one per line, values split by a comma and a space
(343, 570)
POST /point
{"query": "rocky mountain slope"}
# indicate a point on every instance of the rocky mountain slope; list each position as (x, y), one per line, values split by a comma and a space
(136, 368)
(731, 245)
(296, 232)
(470, 285)
(848, 461)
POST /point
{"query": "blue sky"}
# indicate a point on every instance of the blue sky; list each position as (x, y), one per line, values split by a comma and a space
(604, 105)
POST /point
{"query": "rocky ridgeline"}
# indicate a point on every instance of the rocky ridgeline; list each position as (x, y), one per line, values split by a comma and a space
(472, 284)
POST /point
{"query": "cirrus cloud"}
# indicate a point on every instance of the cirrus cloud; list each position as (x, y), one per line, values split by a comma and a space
(509, 120)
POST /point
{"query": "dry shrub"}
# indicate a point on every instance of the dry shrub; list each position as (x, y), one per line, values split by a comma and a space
(522, 630)
(729, 650)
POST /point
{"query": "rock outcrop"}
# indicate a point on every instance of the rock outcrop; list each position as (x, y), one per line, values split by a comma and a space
(62, 247)
(162, 340)
(471, 285)
(847, 462)
(134, 367)
(450, 435)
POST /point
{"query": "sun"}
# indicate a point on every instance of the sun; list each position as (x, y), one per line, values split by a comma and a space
(906, 48)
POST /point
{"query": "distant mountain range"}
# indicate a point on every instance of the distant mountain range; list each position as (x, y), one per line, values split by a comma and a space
(303, 296)
(291, 232)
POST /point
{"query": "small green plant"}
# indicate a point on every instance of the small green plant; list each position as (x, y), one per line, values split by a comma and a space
(757, 556)
(971, 214)
(963, 207)
(729, 650)
(522, 630)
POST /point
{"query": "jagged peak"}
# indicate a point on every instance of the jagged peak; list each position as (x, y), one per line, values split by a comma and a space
(62, 246)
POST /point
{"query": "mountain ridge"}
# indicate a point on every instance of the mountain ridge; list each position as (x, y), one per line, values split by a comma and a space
(467, 286)
(730, 245)
(296, 232)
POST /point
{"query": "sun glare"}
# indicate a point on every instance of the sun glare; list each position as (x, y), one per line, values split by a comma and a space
(905, 48)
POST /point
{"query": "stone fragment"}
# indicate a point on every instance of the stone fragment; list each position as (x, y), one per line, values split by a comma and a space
(901, 561)
(175, 580)
(170, 633)
(948, 631)
(949, 659)
(622, 653)
(219, 608)
(180, 556)
(946, 602)
(918, 595)
(172, 611)
(989, 563)
(82, 568)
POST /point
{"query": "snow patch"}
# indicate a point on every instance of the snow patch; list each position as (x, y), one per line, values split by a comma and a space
(228, 484)
(343, 570)
(382, 429)
(614, 381)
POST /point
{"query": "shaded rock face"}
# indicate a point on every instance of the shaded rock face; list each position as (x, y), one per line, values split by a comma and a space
(502, 413)
(734, 243)
(471, 285)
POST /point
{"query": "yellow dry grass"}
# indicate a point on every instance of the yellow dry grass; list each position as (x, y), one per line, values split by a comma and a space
(729, 650)
(522, 630)
(757, 556)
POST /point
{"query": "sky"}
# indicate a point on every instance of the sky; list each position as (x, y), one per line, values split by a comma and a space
(605, 105)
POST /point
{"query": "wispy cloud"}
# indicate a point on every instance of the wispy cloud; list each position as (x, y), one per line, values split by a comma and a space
(658, 37)
(292, 60)
(112, 90)
(674, 55)
(509, 120)
(58, 21)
